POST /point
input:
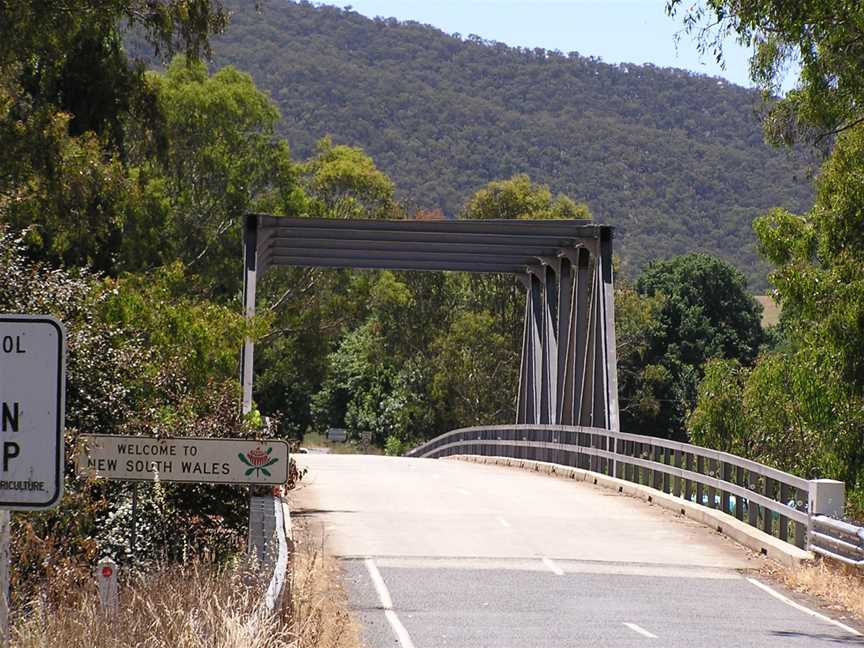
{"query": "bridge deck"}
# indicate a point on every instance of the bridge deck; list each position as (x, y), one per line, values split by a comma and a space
(473, 555)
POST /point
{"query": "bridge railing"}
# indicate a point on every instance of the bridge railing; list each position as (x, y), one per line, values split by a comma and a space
(778, 503)
(837, 540)
(268, 540)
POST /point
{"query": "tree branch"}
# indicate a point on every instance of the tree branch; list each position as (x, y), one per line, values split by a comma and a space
(840, 129)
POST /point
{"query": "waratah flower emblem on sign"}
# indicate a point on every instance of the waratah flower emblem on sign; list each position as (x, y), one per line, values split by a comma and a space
(258, 460)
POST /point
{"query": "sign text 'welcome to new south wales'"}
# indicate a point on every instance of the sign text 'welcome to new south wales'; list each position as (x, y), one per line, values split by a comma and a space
(189, 459)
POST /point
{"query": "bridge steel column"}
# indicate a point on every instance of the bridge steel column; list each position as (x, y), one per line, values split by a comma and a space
(250, 282)
(571, 299)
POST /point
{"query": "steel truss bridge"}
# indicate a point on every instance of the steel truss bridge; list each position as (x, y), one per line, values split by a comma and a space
(567, 399)
(568, 369)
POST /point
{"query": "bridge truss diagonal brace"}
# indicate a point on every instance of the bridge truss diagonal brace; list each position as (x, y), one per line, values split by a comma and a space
(568, 372)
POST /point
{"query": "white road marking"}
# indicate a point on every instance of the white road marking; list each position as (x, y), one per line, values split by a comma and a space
(387, 603)
(463, 491)
(573, 567)
(640, 630)
(504, 523)
(803, 609)
(555, 569)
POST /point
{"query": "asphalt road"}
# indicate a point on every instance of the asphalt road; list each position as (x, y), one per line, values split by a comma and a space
(443, 554)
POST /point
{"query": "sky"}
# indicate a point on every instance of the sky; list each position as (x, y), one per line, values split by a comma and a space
(618, 31)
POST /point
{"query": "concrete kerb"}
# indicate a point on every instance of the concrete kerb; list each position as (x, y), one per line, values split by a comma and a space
(289, 529)
(743, 533)
(290, 546)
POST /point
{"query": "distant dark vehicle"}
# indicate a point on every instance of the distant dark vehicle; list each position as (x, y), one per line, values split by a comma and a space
(337, 435)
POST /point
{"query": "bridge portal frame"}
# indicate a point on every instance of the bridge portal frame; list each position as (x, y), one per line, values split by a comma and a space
(568, 371)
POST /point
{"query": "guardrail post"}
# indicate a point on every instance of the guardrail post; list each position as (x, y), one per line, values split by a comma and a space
(713, 466)
(726, 496)
(767, 514)
(739, 501)
(688, 485)
(656, 475)
(825, 497)
(700, 487)
(785, 494)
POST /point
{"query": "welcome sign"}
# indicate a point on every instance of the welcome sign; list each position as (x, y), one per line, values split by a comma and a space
(188, 459)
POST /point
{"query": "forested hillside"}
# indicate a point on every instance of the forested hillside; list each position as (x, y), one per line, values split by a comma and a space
(674, 160)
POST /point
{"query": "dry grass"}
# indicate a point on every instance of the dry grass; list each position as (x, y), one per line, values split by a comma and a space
(770, 312)
(319, 600)
(837, 586)
(199, 606)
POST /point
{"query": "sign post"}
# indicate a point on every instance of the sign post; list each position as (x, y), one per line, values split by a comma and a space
(5, 522)
(32, 390)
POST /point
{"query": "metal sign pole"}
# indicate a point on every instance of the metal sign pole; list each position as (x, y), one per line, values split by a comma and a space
(5, 522)
(134, 533)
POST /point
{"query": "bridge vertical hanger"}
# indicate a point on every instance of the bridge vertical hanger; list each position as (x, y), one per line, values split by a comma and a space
(549, 385)
(528, 406)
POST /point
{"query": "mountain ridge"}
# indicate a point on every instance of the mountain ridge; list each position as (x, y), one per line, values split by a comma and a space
(673, 159)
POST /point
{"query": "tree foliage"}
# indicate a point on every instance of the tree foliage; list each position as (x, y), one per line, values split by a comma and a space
(519, 198)
(802, 405)
(705, 312)
(67, 95)
(343, 182)
(822, 37)
(214, 157)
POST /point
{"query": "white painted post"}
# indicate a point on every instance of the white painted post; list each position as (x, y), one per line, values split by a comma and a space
(106, 578)
(827, 497)
(5, 522)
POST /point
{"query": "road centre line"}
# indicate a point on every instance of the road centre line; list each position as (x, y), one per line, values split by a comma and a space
(387, 603)
(555, 569)
(803, 609)
(640, 630)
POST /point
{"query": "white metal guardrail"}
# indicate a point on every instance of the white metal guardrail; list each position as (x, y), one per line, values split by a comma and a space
(268, 542)
(791, 508)
(837, 540)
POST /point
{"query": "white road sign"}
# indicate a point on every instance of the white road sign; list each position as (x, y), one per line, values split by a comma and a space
(189, 459)
(32, 386)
